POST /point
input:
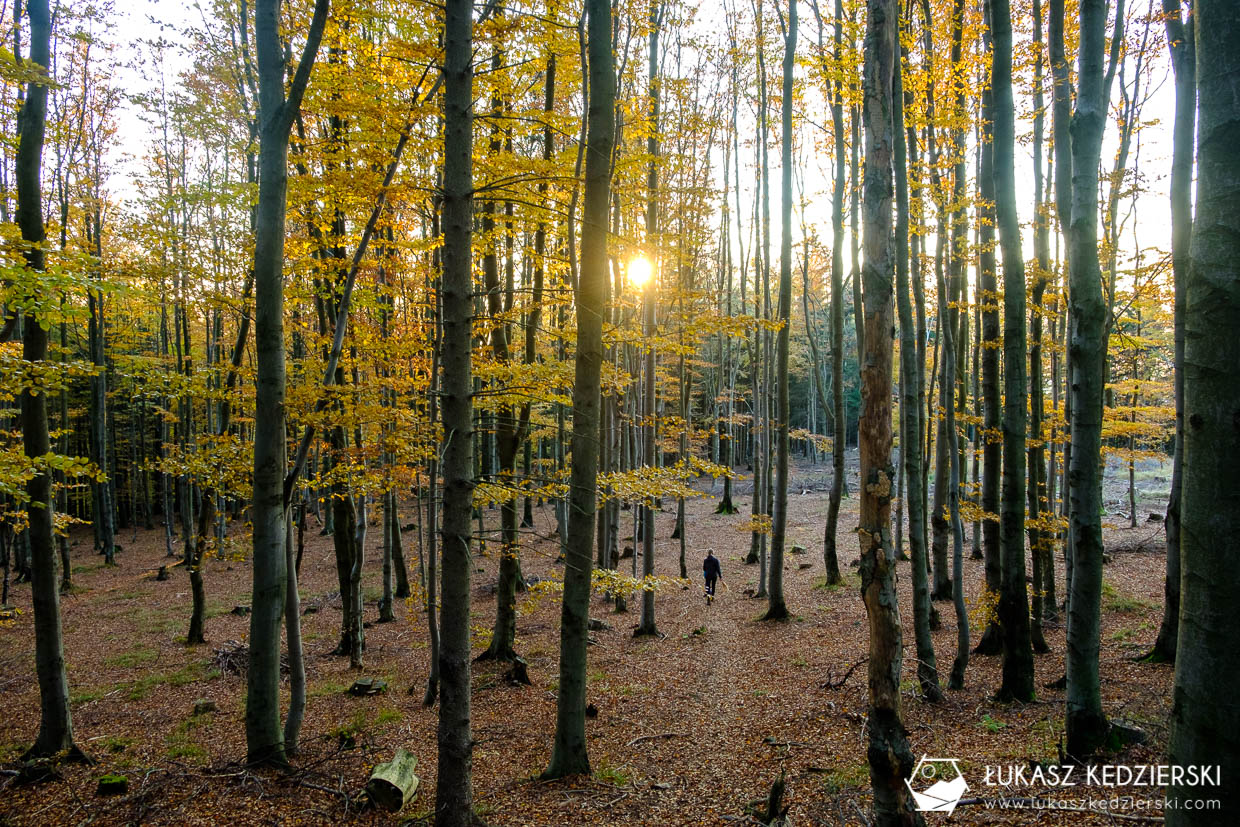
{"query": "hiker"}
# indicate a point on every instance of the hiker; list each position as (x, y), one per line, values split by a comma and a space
(712, 572)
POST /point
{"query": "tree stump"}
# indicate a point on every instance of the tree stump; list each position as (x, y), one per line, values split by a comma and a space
(519, 674)
(393, 783)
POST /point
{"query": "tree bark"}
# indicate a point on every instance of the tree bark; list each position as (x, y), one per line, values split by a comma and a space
(910, 374)
(1204, 715)
(777, 609)
(646, 624)
(1086, 724)
(1040, 544)
(454, 782)
(55, 720)
(569, 755)
(509, 423)
(1013, 598)
(991, 642)
(839, 420)
(1183, 58)
(264, 738)
(890, 758)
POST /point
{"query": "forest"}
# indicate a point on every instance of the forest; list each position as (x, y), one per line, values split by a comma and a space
(753, 412)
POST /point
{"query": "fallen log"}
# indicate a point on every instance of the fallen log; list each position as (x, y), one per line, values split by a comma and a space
(393, 783)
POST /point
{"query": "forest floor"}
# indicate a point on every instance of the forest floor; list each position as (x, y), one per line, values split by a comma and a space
(691, 726)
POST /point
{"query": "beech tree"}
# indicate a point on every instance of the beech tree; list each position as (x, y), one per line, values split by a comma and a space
(56, 720)
(1180, 43)
(1086, 723)
(1204, 716)
(1013, 599)
(891, 760)
(910, 406)
(777, 609)
(454, 786)
(276, 111)
(569, 755)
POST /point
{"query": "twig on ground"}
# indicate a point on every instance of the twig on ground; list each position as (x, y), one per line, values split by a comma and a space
(834, 684)
(654, 737)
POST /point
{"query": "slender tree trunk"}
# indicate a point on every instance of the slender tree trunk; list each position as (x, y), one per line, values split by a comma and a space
(509, 430)
(454, 788)
(1204, 714)
(927, 668)
(55, 721)
(1039, 537)
(991, 642)
(777, 609)
(646, 625)
(1061, 117)
(1086, 723)
(1180, 42)
(950, 457)
(569, 755)
(839, 421)
(1013, 598)
(890, 759)
(431, 493)
(264, 737)
(296, 654)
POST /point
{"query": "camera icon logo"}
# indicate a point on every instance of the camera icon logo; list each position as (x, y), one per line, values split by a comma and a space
(937, 784)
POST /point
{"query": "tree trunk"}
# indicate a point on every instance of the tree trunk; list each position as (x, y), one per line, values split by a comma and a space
(839, 421)
(950, 457)
(1013, 598)
(454, 786)
(569, 755)
(890, 759)
(1086, 724)
(1040, 544)
(1204, 715)
(509, 432)
(777, 609)
(1061, 117)
(1183, 59)
(264, 738)
(296, 654)
(991, 642)
(55, 721)
(910, 375)
(646, 624)
(431, 494)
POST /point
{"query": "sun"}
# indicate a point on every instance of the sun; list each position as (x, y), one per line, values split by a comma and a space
(640, 271)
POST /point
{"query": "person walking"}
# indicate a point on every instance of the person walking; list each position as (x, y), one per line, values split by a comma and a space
(712, 572)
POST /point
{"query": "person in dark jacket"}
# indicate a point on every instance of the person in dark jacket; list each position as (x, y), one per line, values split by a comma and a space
(712, 571)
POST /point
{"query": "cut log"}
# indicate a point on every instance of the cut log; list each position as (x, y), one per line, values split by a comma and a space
(368, 686)
(393, 783)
